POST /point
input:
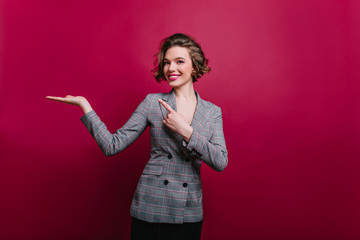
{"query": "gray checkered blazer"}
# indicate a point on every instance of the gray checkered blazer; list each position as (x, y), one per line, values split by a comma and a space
(169, 189)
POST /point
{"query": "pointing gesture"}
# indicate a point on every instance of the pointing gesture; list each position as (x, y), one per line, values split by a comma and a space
(167, 106)
(176, 122)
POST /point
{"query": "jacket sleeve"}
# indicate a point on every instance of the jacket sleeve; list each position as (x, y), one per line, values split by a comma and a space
(211, 151)
(112, 144)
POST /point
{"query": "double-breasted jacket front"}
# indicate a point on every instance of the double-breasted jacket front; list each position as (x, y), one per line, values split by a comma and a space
(169, 189)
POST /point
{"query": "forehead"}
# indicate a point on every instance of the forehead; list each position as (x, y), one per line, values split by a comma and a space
(176, 52)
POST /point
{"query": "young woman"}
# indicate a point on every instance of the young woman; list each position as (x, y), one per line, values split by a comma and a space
(185, 131)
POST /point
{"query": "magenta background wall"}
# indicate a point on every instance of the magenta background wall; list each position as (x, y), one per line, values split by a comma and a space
(286, 74)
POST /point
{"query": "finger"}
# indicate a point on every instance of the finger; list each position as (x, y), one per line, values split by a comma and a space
(58, 99)
(166, 123)
(166, 105)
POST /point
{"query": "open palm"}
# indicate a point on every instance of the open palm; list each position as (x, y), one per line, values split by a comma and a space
(78, 100)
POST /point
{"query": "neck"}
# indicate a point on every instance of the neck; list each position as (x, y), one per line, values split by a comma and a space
(186, 92)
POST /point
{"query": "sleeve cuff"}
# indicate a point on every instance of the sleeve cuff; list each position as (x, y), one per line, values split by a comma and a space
(193, 144)
(87, 116)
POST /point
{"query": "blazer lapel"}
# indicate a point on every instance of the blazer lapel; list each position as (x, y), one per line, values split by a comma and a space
(201, 115)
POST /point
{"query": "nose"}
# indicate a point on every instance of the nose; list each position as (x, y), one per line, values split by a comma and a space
(172, 67)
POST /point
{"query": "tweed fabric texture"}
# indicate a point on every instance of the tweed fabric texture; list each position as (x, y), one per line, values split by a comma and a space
(169, 189)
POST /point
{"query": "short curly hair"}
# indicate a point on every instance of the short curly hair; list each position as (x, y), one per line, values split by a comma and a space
(199, 62)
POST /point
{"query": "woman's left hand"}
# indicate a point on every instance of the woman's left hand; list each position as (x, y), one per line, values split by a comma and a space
(176, 122)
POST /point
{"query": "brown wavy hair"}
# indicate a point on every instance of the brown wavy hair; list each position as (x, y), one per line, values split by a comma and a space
(199, 62)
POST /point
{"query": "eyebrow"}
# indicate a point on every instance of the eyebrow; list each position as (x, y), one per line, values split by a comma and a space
(165, 59)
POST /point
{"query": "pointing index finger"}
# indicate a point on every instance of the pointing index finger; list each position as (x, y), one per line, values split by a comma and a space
(166, 105)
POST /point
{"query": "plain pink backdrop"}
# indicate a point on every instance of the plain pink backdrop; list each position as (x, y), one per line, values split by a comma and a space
(285, 73)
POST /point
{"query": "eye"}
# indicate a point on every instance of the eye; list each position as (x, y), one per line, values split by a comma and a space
(180, 61)
(165, 63)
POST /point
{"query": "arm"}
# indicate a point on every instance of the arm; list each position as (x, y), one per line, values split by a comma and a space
(109, 143)
(112, 144)
(213, 152)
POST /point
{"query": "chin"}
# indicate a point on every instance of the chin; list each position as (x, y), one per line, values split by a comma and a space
(175, 85)
(172, 83)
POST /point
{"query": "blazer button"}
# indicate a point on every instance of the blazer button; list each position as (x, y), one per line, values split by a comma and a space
(185, 185)
(169, 156)
(166, 182)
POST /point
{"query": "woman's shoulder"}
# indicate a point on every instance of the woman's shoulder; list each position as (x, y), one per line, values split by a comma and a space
(154, 96)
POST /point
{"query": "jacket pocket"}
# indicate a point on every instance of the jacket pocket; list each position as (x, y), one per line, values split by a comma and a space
(152, 169)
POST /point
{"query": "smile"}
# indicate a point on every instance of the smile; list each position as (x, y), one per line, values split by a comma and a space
(173, 77)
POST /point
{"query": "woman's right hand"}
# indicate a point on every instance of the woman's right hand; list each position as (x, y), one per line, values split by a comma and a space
(77, 101)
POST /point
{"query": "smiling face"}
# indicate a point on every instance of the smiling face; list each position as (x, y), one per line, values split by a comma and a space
(177, 67)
